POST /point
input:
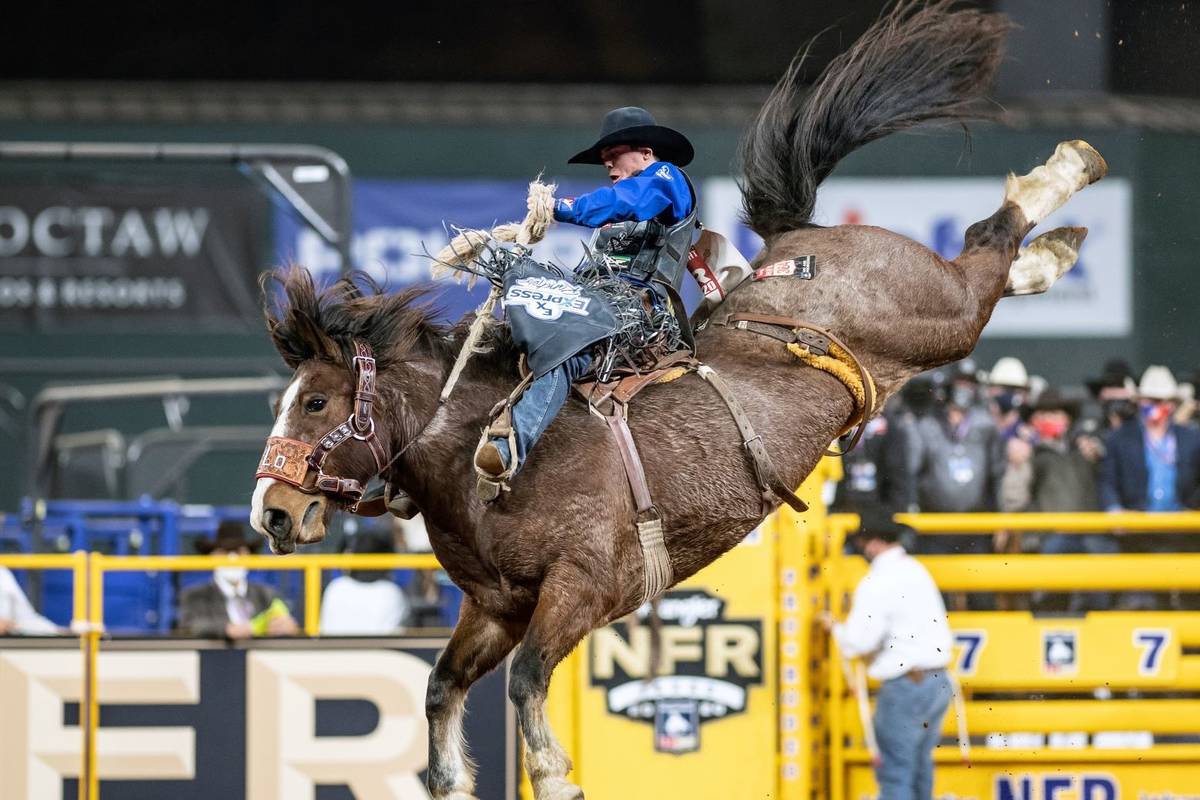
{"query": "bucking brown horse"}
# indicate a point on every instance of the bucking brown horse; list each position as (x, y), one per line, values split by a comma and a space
(558, 556)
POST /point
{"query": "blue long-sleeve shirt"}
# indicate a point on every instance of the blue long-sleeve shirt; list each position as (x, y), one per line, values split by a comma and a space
(659, 189)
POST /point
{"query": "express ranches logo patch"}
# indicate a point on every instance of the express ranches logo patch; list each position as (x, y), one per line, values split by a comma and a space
(546, 298)
(706, 667)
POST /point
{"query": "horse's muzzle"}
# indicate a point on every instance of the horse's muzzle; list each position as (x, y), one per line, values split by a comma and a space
(277, 524)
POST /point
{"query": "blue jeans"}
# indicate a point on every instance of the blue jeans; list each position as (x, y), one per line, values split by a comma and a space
(540, 404)
(908, 725)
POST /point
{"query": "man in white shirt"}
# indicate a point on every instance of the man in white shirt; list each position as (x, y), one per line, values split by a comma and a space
(17, 617)
(898, 623)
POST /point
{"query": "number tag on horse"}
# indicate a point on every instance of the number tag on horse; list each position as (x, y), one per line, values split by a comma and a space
(803, 267)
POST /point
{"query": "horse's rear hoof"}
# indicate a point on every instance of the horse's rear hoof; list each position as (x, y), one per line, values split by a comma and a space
(1094, 165)
(1047, 259)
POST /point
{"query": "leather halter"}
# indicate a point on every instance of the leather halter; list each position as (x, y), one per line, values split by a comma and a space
(301, 464)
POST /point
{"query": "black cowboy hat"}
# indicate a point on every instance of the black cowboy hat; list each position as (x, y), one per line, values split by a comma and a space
(876, 522)
(1051, 399)
(1116, 371)
(635, 126)
(230, 536)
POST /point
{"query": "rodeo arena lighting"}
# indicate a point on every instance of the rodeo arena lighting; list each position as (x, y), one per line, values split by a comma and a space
(670, 414)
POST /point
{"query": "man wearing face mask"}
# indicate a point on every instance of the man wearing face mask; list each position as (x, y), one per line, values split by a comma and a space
(1056, 474)
(1152, 464)
(1008, 390)
(232, 606)
(958, 461)
(1114, 391)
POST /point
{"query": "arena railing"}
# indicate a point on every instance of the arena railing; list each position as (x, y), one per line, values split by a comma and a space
(1032, 701)
(77, 564)
(90, 569)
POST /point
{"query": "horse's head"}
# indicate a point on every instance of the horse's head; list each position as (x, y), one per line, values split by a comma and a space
(334, 428)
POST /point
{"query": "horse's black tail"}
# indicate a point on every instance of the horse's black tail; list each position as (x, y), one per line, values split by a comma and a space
(919, 63)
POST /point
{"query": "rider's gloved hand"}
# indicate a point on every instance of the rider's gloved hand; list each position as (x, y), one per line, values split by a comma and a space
(563, 209)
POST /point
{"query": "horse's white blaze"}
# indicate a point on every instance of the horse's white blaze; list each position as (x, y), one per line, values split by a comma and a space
(289, 398)
(278, 429)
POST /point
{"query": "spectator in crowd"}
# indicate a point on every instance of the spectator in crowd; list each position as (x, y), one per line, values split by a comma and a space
(230, 605)
(965, 379)
(877, 472)
(1115, 391)
(898, 622)
(364, 602)
(1056, 474)
(1151, 464)
(958, 462)
(1008, 391)
(17, 617)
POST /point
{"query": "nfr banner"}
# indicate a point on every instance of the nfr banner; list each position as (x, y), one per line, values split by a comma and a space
(325, 720)
(132, 258)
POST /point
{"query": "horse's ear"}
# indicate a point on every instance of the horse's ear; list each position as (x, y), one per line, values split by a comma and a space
(298, 338)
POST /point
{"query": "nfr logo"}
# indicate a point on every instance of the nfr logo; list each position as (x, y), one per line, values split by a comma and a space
(1056, 786)
(707, 665)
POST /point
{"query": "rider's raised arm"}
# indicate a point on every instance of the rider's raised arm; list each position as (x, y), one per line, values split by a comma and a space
(660, 187)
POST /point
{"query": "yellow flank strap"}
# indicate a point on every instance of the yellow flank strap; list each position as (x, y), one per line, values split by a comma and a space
(838, 364)
(673, 374)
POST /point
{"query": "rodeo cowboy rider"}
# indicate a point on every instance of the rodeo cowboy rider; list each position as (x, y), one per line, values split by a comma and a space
(645, 222)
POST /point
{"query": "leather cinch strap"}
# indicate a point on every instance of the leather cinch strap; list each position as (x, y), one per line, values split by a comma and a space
(609, 401)
(821, 349)
(774, 490)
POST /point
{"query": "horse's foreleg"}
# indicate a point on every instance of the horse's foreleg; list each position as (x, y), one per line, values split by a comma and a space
(478, 644)
(566, 612)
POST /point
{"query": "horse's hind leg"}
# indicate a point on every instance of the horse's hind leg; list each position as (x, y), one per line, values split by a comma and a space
(566, 612)
(1073, 166)
(478, 644)
(991, 246)
(1044, 261)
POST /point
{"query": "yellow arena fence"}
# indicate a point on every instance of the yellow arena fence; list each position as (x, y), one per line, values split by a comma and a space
(1117, 716)
(748, 698)
(1047, 720)
(89, 569)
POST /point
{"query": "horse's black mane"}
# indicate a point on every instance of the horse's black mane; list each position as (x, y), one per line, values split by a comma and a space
(310, 322)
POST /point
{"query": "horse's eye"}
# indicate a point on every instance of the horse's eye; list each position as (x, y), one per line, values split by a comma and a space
(314, 405)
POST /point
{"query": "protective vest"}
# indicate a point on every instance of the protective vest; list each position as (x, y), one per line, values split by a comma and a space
(649, 250)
